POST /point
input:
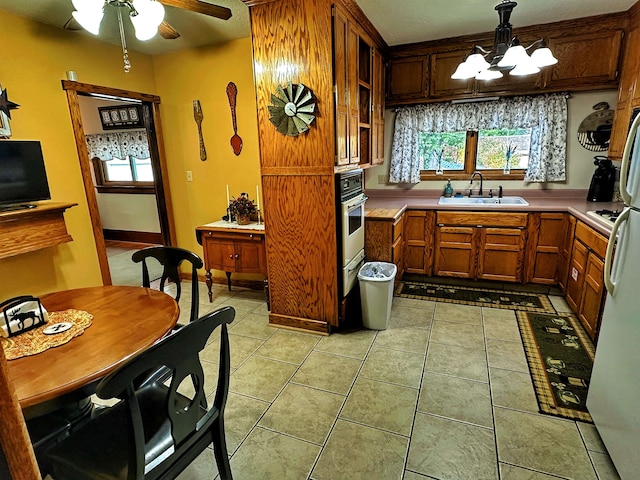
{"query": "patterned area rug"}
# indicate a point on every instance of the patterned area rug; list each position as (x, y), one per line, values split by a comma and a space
(532, 302)
(560, 356)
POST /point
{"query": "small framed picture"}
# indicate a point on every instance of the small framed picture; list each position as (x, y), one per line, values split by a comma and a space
(121, 117)
(5, 129)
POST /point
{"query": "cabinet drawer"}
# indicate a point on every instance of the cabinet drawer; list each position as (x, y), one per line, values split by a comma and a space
(231, 236)
(592, 239)
(500, 219)
(398, 227)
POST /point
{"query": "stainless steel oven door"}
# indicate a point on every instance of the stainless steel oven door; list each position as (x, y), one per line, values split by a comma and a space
(350, 273)
(352, 227)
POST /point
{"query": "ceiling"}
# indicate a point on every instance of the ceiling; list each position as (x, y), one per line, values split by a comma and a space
(416, 21)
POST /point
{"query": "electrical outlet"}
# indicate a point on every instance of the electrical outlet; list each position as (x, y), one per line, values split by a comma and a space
(189, 176)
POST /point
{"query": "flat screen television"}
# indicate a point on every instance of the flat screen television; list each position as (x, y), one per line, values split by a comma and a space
(23, 178)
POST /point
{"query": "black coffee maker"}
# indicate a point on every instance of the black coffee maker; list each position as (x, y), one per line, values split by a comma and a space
(603, 181)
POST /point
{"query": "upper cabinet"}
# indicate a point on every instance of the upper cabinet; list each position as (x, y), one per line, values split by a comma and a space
(421, 72)
(359, 93)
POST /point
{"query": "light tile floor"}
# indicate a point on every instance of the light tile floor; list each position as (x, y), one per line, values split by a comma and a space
(443, 393)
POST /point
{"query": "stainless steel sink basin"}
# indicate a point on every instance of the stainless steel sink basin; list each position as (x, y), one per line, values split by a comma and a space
(489, 202)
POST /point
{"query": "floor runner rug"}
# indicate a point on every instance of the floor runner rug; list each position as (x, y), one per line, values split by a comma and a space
(484, 297)
(560, 357)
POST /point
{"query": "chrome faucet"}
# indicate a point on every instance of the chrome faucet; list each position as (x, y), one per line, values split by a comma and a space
(471, 183)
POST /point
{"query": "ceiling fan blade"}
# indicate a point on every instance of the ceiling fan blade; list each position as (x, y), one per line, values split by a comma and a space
(167, 31)
(200, 7)
(72, 24)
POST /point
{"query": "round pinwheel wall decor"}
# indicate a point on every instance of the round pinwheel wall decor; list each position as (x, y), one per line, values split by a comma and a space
(291, 109)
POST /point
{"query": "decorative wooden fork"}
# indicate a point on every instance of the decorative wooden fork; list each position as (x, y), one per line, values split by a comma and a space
(198, 116)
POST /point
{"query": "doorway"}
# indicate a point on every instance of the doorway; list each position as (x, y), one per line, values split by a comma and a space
(150, 123)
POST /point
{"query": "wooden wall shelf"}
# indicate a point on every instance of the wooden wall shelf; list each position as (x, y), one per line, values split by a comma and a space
(23, 231)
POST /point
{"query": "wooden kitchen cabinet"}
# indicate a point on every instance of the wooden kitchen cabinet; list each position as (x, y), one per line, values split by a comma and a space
(232, 249)
(408, 78)
(377, 122)
(443, 64)
(585, 284)
(418, 241)
(480, 245)
(546, 244)
(565, 255)
(383, 237)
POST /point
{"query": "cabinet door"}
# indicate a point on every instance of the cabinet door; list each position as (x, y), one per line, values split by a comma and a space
(575, 281)
(587, 60)
(501, 255)
(442, 67)
(377, 124)
(249, 257)
(219, 254)
(593, 293)
(341, 89)
(378, 240)
(566, 252)
(407, 78)
(455, 251)
(418, 241)
(545, 247)
(353, 89)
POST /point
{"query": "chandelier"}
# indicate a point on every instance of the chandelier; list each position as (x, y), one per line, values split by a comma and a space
(145, 15)
(506, 54)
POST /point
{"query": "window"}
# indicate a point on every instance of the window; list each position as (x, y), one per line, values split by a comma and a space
(130, 173)
(494, 152)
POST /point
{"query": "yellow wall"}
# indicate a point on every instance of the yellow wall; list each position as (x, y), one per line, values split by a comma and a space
(203, 74)
(35, 58)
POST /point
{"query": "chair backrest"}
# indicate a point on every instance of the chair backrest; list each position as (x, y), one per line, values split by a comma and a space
(170, 258)
(190, 422)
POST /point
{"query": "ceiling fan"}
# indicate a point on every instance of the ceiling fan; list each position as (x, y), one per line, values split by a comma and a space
(164, 29)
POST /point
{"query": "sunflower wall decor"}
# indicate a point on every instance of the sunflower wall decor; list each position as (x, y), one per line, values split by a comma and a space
(292, 109)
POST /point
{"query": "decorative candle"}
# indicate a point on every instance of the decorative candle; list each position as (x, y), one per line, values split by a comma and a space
(257, 198)
(227, 195)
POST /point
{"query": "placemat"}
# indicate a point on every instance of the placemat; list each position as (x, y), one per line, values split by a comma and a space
(34, 341)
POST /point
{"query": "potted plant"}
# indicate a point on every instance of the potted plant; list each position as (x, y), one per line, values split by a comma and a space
(241, 208)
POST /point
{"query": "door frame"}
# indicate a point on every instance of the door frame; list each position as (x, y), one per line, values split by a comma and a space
(153, 125)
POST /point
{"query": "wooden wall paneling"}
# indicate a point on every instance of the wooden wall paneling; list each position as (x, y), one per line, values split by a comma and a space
(301, 249)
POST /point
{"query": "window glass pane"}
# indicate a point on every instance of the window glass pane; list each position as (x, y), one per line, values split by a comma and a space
(118, 170)
(496, 146)
(142, 169)
(442, 151)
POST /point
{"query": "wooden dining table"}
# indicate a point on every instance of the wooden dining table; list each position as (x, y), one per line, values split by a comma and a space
(126, 321)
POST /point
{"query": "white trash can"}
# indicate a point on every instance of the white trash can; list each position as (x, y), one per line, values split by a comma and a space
(376, 293)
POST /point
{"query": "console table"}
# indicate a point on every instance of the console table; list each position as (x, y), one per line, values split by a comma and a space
(232, 248)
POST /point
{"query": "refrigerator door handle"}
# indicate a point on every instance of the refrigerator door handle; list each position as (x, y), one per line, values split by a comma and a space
(610, 276)
(625, 165)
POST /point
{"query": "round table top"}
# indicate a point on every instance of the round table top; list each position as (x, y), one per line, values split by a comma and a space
(126, 321)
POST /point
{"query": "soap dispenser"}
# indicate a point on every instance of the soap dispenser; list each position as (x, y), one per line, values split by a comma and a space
(448, 189)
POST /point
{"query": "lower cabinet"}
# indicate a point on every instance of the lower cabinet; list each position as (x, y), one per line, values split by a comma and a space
(546, 247)
(383, 238)
(585, 285)
(418, 241)
(480, 245)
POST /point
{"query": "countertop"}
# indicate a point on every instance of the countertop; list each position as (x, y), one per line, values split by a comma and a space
(391, 204)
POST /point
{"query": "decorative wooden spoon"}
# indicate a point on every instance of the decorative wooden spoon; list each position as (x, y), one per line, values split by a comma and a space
(198, 116)
(236, 141)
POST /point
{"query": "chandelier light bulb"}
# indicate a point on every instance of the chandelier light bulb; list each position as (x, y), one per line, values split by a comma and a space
(476, 63)
(150, 15)
(89, 20)
(515, 55)
(542, 57)
(463, 72)
(525, 67)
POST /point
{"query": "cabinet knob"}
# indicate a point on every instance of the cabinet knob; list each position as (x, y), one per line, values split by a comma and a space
(231, 257)
(251, 235)
(237, 256)
(210, 233)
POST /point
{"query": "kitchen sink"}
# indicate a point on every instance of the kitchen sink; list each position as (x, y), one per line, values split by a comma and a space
(489, 202)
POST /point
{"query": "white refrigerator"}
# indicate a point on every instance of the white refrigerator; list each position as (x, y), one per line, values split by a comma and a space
(614, 391)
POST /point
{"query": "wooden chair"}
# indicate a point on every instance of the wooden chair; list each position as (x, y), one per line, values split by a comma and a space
(171, 258)
(155, 432)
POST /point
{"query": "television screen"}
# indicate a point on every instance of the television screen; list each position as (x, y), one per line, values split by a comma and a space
(23, 178)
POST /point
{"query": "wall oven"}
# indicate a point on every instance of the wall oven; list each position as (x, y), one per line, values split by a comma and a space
(350, 226)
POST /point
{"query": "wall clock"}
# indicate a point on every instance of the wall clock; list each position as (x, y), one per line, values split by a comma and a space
(292, 108)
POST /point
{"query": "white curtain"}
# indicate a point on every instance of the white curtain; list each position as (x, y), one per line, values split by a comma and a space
(107, 146)
(546, 115)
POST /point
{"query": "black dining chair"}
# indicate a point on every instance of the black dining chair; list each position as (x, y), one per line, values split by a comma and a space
(171, 258)
(155, 431)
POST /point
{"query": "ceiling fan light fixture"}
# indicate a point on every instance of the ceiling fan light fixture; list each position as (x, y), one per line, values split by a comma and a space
(146, 17)
(89, 14)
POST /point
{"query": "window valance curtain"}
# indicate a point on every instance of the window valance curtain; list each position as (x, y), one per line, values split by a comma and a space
(107, 146)
(546, 115)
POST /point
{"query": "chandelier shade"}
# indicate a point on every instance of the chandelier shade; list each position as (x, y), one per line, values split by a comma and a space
(506, 55)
